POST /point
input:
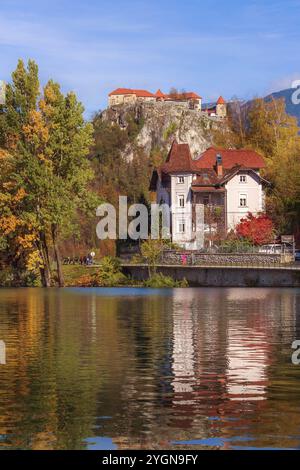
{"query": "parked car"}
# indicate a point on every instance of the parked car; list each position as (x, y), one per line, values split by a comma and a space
(297, 255)
(272, 248)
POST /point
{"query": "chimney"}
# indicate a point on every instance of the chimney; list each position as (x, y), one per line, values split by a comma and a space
(219, 165)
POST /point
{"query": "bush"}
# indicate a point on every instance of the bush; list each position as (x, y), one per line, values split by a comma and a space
(10, 277)
(109, 273)
(159, 280)
(236, 246)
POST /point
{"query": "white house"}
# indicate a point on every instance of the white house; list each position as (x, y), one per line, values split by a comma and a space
(225, 183)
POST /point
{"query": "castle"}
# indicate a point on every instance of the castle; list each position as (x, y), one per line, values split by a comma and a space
(190, 99)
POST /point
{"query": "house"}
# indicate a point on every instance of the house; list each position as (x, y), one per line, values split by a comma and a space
(122, 96)
(129, 96)
(226, 184)
(189, 98)
(218, 109)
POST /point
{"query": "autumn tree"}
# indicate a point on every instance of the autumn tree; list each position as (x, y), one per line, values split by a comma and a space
(48, 140)
(265, 126)
(258, 230)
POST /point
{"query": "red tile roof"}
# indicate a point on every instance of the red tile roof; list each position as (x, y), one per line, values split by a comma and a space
(230, 158)
(191, 95)
(129, 91)
(178, 160)
(186, 95)
(159, 94)
(221, 100)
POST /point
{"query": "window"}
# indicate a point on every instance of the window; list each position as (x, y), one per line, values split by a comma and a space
(243, 200)
(181, 226)
(180, 179)
(243, 179)
(181, 200)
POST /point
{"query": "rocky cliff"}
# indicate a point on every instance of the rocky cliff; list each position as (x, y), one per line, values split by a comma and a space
(159, 124)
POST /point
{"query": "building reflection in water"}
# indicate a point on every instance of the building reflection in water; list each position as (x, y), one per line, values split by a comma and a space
(148, 368)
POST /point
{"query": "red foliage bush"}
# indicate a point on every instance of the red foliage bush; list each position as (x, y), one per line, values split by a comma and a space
(257, 229)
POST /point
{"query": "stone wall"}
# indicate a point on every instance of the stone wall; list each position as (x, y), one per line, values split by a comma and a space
(198, 276)
(196, 258)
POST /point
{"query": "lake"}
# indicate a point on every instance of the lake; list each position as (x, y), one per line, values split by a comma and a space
(125, 368)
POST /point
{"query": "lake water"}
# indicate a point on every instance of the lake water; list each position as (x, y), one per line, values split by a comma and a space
(149, 369)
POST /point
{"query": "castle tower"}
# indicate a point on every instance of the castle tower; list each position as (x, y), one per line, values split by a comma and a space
(221, 108)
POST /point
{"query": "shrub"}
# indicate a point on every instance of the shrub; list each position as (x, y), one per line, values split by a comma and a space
(158, 280)
(109, 273)
(257, 229)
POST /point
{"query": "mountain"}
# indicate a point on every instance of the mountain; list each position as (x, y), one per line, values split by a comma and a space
(292, 109)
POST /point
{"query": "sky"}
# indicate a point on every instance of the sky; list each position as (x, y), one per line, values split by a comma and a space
(233, 48)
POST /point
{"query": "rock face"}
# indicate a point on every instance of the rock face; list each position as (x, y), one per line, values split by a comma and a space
(161, 123)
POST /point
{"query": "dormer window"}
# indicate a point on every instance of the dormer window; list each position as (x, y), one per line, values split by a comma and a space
(180, 179)
(243, 179)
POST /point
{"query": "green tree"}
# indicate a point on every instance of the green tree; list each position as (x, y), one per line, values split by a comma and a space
(49, 140)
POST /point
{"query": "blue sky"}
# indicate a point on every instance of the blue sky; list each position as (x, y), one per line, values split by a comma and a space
(233, 47)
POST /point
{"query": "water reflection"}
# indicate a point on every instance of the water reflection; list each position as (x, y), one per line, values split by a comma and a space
(142, 368)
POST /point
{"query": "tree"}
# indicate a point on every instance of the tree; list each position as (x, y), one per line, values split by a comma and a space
(49, 141)
(151, 250)
(256, 229)
(266, 127)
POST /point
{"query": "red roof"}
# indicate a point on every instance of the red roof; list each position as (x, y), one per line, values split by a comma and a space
(230, 158)
(191, 95)
(129, 91)
(185, 95)
(159, 94)
(178, 160)
(221, 100)
(209, 189)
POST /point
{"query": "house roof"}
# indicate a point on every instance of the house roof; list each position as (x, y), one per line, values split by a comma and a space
(230, 158)
(190, 95)
(207, 189)
(178, 160)
(130, 91)
(221, 100)
(159, 94)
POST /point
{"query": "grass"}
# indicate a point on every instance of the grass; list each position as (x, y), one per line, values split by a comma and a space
(72, 272)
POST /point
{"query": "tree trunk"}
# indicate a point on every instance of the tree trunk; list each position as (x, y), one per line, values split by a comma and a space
(60, 275)
(45, 269)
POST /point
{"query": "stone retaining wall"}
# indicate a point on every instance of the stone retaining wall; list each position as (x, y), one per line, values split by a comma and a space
(195, 258)
(223, 276)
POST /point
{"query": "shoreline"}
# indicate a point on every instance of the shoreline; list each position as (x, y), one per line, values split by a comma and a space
(222, 276)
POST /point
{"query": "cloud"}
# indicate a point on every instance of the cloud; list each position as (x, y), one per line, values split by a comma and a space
(283, 83)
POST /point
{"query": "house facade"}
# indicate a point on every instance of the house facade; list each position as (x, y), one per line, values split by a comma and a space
(129, 96)
(189, 98)
(122, 96)
(209, 195)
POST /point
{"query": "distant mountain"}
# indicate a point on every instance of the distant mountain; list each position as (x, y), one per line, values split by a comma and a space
(291, 108)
